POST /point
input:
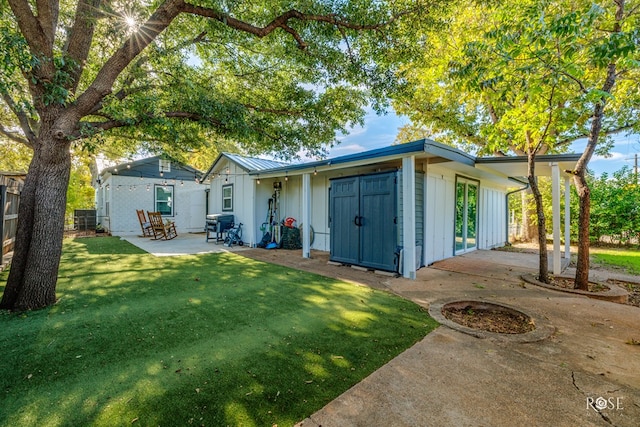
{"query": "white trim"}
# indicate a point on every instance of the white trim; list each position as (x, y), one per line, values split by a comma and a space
(409, 216)
(567, 217)
(170, 202)
(555, 202)
(306, 215)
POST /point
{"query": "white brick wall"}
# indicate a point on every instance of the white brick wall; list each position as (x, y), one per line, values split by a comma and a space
(128, 194)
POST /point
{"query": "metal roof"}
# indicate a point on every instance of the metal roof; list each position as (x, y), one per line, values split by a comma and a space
(254, 163)
(508, 166)
(423, 146)
(249, 164)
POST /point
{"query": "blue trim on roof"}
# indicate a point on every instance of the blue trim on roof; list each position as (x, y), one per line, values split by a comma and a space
(256, 166)
(415, 147)
(570, 157)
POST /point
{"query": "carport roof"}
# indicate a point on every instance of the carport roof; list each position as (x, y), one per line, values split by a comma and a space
(516, 166)
(506, 166)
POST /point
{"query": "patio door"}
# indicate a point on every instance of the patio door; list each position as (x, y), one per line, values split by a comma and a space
(466, 226)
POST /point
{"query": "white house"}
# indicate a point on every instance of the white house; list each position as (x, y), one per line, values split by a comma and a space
(396, 208)
(152, 184)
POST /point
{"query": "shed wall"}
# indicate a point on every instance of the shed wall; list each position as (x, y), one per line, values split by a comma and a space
(244, 195)
(124, 195)
(492, 226)
(439, 215)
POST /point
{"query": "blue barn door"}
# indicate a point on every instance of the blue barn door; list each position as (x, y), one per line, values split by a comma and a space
(364, 221)
(378, 237)
(344, 213)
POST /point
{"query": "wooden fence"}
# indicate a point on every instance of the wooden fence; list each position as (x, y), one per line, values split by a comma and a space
(9, 202)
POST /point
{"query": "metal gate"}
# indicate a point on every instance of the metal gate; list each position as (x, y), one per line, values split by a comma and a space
(363, 215)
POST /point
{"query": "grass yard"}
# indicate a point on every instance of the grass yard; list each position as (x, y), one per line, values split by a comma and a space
(211, 340)
(626, 259)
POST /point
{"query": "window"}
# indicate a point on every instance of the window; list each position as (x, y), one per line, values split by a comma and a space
(164, 165)
(227, 198)
(164, 199)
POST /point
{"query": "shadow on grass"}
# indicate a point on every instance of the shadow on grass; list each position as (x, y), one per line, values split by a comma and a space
(213, 339)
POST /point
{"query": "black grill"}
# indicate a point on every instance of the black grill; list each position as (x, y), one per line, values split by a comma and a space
(216, 225)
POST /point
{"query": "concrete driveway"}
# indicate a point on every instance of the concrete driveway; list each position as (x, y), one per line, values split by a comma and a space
(584, 374)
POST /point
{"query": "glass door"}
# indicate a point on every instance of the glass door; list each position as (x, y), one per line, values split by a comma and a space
(466, 215)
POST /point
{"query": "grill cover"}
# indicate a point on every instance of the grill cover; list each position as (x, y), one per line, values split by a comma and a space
(222, 222)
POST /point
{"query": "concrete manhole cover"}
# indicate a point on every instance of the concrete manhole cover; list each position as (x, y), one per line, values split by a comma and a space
(484, 319)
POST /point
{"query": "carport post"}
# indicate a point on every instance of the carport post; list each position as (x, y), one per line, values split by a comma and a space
(409, 216)
(567, 217)
(555, 201)
(306, 215)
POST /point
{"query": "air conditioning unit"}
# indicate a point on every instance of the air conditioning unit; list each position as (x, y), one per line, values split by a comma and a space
(418, 259)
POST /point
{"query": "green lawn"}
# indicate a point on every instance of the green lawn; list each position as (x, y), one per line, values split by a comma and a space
(211, 340)
(627, 259)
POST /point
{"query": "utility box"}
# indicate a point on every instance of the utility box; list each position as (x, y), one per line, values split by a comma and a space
(84, 219)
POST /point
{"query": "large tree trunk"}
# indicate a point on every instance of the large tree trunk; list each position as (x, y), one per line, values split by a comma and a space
(529, 229)
(582, 265)
(34, 271)
(543, 265)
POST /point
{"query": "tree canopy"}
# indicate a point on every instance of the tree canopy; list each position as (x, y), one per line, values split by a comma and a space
(272, 76)
(531, 77)
(175, 75)
(527, 67)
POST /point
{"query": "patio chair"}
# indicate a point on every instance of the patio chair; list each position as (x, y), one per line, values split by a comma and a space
(161, 231)
(147, 230)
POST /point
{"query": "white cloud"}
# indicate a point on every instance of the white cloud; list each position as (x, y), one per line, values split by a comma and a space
(613, 157)
(353, 132)
(342, 150)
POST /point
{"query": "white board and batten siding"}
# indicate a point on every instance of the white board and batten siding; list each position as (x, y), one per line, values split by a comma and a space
(435, 182)
(440, 214)
(244, 198)
(492, 218)
(439, 217)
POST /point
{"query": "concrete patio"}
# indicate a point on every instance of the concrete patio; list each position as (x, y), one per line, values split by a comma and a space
(184, 244)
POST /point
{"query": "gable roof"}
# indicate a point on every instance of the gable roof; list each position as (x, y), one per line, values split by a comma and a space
(254, 163)
(249, 164)
(149, 168)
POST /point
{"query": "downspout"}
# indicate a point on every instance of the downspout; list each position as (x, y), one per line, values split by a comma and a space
(506, 205)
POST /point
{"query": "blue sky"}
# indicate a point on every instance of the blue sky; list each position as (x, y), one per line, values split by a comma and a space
(380, 131)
